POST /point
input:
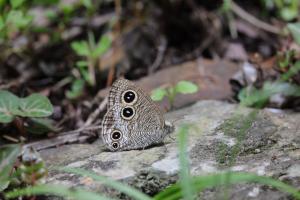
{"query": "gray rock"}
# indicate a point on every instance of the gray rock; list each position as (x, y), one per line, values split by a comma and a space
(224, 136)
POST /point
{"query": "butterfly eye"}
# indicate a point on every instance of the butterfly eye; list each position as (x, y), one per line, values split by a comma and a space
(127, 112)
(129, 97)
(116, 135)
(115, 145)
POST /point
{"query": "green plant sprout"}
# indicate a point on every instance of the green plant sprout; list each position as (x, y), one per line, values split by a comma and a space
(91, 51)
(182, 87)
(286, 9)
(258, 98)
(14, 19)
(76, 89)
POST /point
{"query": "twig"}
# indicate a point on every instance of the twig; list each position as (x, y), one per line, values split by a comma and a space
(252, 20)
(63, 138)
(160, 55)
(28, 74)
(95, 114)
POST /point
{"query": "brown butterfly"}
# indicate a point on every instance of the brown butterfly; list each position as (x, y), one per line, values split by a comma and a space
(133, 120)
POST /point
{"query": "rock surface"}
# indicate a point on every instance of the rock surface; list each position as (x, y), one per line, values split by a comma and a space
(224, 136)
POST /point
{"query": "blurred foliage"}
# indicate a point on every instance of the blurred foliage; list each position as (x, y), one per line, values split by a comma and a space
(182, 87)
(28, 170)
(295, 31)
(8, 157)
(14, 18)
(286, 9)
(251, 96)
(91, 51)
(35, 105)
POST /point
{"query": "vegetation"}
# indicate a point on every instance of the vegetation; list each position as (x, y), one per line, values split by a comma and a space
(58, 58)
(182, 87)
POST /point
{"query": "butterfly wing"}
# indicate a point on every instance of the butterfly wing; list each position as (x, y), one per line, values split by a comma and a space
(144, 128)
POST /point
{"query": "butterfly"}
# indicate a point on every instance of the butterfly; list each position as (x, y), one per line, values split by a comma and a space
(133, 120)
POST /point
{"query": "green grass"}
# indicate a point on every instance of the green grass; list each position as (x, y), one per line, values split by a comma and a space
(59, 190)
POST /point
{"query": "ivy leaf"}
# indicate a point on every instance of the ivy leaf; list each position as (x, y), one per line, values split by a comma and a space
(9, 104)
(186, 87)
(35, 105)
(158, 94)
(8, 156)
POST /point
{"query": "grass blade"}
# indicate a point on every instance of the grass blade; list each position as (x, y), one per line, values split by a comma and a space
(58, 190)
(220, 179)
(130, 191)
(184, 174)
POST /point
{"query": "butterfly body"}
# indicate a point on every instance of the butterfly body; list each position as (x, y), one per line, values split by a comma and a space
(133, 120)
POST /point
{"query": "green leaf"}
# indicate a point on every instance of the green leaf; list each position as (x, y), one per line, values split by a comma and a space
(17, 19)
(16, 3)
(295, 31)
(35, 105)
(58, 190)
(87, 3)
(40, 126)
(288, 14)
(291, 72)
(82, 64)
(102, 46)
(8, 106)
(251, 96)
(81, 48)
(2, 24)
(8, 156)
(76, 89)
(158, 94)
(186, 87)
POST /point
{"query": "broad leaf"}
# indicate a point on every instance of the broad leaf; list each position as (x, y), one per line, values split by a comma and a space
(35, 105)
(158, 94)
(8, 156)
(8, 106)
(186, 87)
(295, 30)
